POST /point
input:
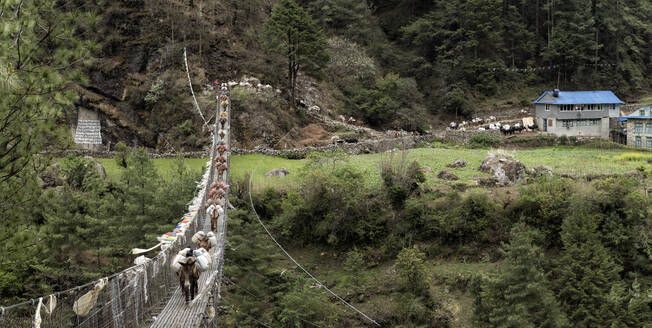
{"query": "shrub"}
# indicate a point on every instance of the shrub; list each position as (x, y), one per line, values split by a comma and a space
(155, 92)
(634, 157)
(332, 207)
(410, 267)
(400, 180)
(348, 59)
(483, 140)
(544, 204)
(455, 101)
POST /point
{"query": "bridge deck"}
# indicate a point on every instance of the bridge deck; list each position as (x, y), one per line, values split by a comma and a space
(178, 314)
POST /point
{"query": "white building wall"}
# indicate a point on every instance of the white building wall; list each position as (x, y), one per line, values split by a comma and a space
(614, 112)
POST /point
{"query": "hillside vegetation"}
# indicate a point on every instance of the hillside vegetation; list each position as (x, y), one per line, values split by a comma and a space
(565, 246)
(399, 64)
(552, 252)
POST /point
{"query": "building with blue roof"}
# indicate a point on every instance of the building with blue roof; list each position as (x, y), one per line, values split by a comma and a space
(577, 113)
(638, 127)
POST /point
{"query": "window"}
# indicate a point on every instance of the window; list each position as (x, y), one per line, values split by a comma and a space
(638, 128)
(648, 128)
(590, 107)
(613, 106)
(566, 124)
(600, 107)
(641, 112)
(586, 123)
(648, 142)
(547, 107)
(639, 142)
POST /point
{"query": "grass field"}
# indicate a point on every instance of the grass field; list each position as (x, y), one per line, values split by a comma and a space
(570, 160)
(164, 166)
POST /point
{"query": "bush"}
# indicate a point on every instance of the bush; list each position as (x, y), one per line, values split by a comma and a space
(483, 140)
(394, 101)
(348, 59)
(410, 267)
(332, 206)
(400, 180)
(455, 101)
(544, 204)
(630, 156)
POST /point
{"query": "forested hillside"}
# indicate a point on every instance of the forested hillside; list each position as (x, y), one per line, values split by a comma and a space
(401, 64)
(451, 245)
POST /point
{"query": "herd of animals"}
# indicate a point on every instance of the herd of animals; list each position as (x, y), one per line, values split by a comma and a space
(491, 123)
(189, 263)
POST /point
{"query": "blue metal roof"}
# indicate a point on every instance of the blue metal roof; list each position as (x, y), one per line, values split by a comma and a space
(624, 118)
(580, 97)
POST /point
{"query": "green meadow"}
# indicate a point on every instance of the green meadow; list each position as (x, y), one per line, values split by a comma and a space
(568, 160)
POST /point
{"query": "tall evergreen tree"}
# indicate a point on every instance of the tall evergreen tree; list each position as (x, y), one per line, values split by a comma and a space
(292, 33)
(40, 59)
(140, 186)
(519, 295)
(586, 278)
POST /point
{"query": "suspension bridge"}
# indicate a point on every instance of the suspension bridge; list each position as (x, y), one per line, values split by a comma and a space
(148, 293)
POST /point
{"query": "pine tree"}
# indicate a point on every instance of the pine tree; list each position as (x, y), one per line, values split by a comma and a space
(586, 276)
(40, 59)
(519, 295)
(140, 182)
(291, 32)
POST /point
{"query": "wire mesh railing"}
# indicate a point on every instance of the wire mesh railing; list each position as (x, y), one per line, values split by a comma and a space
(215, 281)
(132, 297)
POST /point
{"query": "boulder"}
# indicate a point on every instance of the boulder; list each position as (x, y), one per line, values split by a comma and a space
(504, 168)
(540, 170)
(449, 176)
(458, 163)
(99, 168)
(489, 182)
(278, 172)
(50, 176)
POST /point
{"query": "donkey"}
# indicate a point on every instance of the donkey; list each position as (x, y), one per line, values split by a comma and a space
(189, 278)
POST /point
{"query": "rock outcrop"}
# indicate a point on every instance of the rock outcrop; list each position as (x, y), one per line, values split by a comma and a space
(448, 176)
(505, 169)
(458, 163)
(278, 172)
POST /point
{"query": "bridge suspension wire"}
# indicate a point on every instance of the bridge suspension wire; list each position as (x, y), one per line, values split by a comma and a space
(185, 61)
(295, 261)
(263, 276)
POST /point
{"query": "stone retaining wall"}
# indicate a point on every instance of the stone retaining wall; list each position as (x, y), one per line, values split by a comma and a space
(362, 147)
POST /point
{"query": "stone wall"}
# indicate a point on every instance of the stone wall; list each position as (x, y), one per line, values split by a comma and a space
(362, 147)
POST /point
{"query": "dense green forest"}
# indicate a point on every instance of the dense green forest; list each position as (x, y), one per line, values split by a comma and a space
(389, 63)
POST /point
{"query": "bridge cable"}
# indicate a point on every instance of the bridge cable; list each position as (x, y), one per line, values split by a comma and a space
(292, 258)
(185, 61)
(264, 277)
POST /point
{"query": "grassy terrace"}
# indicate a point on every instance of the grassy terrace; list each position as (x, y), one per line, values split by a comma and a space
(571, 160)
